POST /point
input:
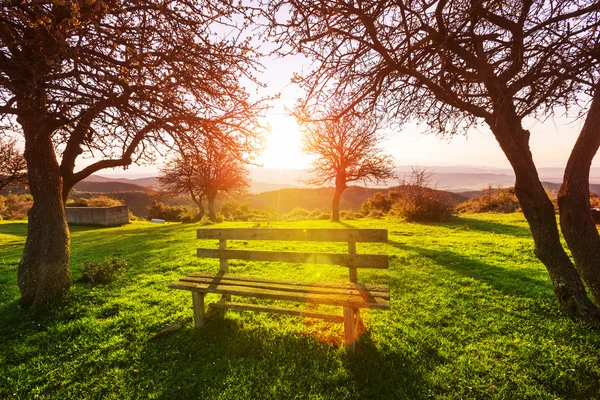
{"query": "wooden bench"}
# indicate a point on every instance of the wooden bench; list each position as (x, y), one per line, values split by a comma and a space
(351, 295)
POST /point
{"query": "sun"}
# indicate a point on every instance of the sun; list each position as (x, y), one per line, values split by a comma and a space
(283, 144)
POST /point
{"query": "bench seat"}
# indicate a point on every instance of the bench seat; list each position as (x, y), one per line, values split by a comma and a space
(353, 295)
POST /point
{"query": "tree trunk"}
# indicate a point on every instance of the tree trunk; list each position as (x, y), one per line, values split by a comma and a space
(198, 201)
(211, 207)
(340, 185)
(539, 212)
(576, 223)
(44, 268)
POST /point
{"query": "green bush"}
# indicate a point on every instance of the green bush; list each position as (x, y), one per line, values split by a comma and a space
(376, 214)
(97, 201)
(132, 217)
(168, 213)
(491, 200)
(350, 214)
(188, 216)
(379, 202)
(103, 272)
(324, 216)
(15, 206)
(235, 210)
(206, 221)
(219, 217)
(297, 214)
(429, 208)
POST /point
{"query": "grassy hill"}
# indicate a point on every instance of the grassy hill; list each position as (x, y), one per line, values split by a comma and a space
(286, 200)
(472, 317)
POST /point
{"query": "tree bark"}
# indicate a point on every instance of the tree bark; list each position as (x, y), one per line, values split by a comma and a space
(211, 206)
(576, 223)
(538, 210)
(340, 185)
(44, 268)
(198, 201)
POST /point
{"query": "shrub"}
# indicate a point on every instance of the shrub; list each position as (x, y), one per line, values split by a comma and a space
(80, 202)
(97, 201)
(376, 214)
(427, 209)
(297, 214)
(350, 214)
(491, 200)
(103, 201)
(132, 217)
(379, 202)
(15, 206)
(324, 216)
(188, 216)
(219, 217)
(103, 272)
(168, 213)
(205, 221)
(415, 201)
(314, 214)
(594, 201)
(235, 210)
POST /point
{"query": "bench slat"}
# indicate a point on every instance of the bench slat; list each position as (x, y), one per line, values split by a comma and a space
(279, 310)
(306, 288)
(341, 285)
(314, 234)
(330, 299)
(346, 260)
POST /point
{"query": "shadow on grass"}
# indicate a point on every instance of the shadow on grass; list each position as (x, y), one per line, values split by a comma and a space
(14, 228)
(488, 226)
(508, 281)
(228, 359)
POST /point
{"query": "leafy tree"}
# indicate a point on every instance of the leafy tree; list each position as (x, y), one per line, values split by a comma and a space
(114, 80)
(13, 168)
(456, 64)
(346, 151)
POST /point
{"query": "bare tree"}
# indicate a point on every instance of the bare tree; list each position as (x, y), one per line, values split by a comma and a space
(204, 171)
(13, 168)
(177, 178)
(111, 80)
(458, 63)
(346, 151)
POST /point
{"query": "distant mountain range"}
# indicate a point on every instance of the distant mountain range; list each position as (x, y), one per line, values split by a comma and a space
(451, 178)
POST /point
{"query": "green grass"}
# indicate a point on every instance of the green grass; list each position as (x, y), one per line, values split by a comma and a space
(473, 316)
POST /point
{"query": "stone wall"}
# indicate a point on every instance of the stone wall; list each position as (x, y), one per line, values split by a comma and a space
(106, 216)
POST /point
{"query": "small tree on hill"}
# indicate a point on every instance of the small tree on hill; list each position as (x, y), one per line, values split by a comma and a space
(177, 179)
(346, 151)
(13, 167)
(204, 171)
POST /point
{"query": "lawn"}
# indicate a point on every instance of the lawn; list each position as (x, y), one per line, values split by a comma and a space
(472, 316)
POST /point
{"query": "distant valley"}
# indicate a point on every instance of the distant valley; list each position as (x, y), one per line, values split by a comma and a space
(283, 189)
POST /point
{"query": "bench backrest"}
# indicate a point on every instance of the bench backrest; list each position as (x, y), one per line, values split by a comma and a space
(351, 260)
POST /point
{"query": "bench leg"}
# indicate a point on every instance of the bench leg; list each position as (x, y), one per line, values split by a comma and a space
(198, 303)
(356, 312)
(349, 332)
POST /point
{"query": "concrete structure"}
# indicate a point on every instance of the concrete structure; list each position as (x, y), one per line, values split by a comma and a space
(106, 216)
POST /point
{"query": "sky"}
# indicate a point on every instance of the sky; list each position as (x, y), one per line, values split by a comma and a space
(551, 141)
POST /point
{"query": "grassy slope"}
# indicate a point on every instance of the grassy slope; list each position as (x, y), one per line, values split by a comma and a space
(472, 316)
